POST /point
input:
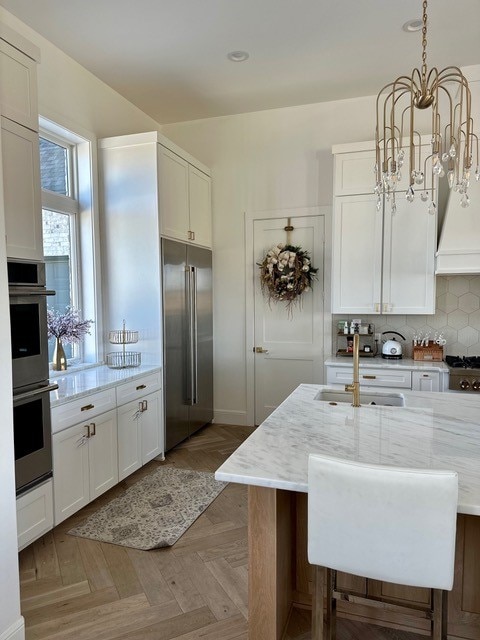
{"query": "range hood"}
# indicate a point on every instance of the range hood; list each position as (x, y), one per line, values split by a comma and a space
(459, 245)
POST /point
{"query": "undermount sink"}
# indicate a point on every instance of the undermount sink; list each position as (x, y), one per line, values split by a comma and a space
(385, 399)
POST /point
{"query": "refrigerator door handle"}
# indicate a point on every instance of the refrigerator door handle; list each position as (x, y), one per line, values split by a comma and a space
(194, 334)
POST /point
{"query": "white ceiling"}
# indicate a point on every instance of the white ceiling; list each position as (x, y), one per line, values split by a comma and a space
(169, 56)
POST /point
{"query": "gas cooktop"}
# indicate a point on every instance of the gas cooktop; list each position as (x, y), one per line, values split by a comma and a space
(464, 373)
(463, 362)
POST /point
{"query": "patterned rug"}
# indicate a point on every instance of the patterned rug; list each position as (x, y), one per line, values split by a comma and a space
(155, 511)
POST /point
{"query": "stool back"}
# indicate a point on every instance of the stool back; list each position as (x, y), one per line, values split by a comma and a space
(385, 523)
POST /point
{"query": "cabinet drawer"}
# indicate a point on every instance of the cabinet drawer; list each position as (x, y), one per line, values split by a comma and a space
(429, 381)
(84, 408)
(371, 377)
(138, 388)
(34, 514)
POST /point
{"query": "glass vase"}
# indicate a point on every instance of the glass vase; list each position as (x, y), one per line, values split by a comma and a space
(59, 357)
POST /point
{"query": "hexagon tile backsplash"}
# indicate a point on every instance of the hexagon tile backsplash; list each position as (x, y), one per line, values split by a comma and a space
(457, 316)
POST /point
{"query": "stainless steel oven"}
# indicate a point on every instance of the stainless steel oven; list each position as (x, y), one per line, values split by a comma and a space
(32, 435)
(28, 322)
(31, 389)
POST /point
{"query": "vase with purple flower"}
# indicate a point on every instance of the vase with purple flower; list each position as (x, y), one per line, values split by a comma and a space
(66, 328)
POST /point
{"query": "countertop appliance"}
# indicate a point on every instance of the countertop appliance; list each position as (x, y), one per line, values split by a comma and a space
(188, 339)
(392, 349)
(464, 373)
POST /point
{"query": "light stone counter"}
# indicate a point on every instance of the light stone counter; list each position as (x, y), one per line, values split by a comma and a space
(77, 384)
(378, 361)
(433, 430)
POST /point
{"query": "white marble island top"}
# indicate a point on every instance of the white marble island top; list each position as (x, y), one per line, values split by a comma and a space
(433, 430)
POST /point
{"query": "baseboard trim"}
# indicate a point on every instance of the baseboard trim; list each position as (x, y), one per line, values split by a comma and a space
(225, 416)
(16, 631)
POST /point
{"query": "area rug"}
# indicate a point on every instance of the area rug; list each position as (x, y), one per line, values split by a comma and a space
(155, 511)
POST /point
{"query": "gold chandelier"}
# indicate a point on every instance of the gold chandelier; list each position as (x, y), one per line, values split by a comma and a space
(398, 141)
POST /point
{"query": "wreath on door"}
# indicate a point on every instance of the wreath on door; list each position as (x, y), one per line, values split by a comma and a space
(286, 272)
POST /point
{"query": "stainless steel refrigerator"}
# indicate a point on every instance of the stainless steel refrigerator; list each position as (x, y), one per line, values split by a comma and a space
(187, 339)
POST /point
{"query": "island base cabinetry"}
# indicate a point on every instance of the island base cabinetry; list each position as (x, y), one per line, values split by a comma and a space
(280, 576)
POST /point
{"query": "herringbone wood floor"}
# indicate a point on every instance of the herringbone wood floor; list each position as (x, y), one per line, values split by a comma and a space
(78, 589)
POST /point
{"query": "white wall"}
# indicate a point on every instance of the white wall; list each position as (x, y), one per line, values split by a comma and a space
(73, 97)
(11, 623)
(261, 161)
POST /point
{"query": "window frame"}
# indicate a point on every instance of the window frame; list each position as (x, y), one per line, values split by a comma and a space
(82, 206)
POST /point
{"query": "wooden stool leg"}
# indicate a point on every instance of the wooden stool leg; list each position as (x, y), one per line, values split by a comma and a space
(330, 618)
(317, 603)
(440, 612)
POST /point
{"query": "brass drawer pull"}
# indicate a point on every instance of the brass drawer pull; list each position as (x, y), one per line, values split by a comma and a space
(87, 407)
(141, 386)
(369, 377)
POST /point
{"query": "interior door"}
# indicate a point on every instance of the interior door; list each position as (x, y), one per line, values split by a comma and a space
(292, 343)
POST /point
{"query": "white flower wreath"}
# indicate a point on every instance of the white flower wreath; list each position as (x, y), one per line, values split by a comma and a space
(285, 273)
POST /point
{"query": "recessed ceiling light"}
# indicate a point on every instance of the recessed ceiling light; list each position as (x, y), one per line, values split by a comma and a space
(413, 25)
(238, 56)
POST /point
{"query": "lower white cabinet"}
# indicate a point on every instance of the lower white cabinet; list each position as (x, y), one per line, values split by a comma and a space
(85, 463)
(34, 514)
(140, 433)
(430, 381)
(386, 376)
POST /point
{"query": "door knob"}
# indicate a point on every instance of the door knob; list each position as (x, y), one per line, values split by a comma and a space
(260, 350)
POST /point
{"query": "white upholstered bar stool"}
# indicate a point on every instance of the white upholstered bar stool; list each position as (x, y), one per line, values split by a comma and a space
(384, 523)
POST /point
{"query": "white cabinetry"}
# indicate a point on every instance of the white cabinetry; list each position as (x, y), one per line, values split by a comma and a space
(426, 381)
(140, 423)
(370, 377)
(85, 462)
(407, 376)
(383, 262)
(34, 514)
(20, 154)
(21, 187)
(18, 86)
(184, 200)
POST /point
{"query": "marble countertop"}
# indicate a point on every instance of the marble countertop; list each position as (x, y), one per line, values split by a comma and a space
(378, 361)
(433, 430)
(77, 384)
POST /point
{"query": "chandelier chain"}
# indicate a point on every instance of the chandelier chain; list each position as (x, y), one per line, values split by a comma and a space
(424, 41)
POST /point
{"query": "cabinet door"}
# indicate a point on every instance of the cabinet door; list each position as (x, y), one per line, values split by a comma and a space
(102, 451)
(34, 514)
(18, 86)
(200, 207)
(129, 438)
(173, 195)
(409, 258)
(354, 173)
(425, 381)
(70, 471)
(152, 427)
(21, 185)
(357, 255)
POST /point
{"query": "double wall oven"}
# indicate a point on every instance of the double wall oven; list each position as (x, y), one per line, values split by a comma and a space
(31, 388)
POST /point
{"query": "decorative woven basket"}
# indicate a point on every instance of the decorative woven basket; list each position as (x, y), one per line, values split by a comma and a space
(123, 359)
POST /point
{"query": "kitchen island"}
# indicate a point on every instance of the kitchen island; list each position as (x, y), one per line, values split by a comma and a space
(436, 431)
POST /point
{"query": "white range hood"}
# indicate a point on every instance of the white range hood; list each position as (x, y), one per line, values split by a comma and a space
(459, 246)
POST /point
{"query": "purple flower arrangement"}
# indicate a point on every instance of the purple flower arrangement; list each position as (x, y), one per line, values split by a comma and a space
(67, 326)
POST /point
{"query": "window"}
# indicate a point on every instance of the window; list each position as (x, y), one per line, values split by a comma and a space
(69, 238)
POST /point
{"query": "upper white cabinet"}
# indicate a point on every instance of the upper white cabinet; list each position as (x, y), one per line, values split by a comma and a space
(184, 200)
(19, 146)
(21, 191)
(18, 86)
(383, 262)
